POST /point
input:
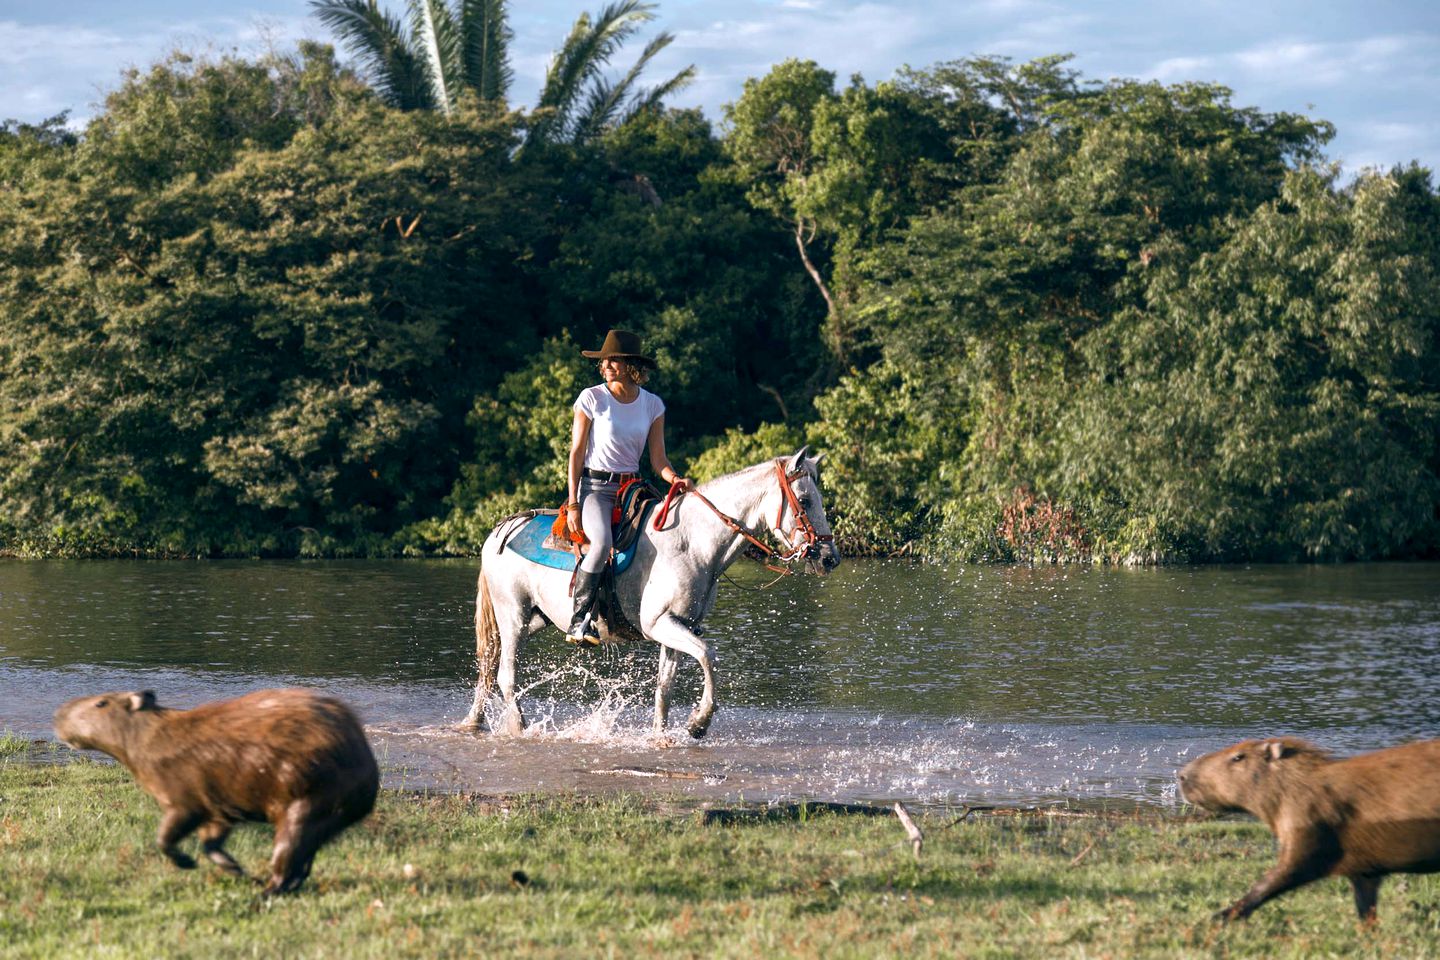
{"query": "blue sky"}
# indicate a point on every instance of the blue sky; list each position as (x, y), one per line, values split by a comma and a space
(1371, 68)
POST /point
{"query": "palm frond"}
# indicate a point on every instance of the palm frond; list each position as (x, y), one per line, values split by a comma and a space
(437, 36)
(560, 74)
(377, 40)
(603, 101)
(616, 23)
(651, 98)
(587, 49)
(485, 42)
(627, 84)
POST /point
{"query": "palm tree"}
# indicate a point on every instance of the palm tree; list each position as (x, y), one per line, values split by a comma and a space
(444, 51)
(577, 102)
(450, 48)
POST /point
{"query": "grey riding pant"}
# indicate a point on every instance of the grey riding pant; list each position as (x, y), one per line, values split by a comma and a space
(597, 502)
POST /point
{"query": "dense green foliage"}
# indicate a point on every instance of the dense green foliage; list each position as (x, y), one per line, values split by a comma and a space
(254, 309)
(447, 876)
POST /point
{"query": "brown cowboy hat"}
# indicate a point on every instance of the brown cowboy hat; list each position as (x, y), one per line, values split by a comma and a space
(621, 344)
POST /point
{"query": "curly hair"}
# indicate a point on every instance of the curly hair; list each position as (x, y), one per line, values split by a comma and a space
(636, 373)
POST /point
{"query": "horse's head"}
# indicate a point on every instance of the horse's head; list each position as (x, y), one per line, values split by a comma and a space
(800, 522)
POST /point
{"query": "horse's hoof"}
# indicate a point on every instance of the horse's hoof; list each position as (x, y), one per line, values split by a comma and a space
(698, 729)
(513, 724)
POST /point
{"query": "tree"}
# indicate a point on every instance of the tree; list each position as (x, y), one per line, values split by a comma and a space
(842, 171)
(448, 51)
(1277, 401)
(1002, 300)
(254, 336)
(445, 51)
(769, 139)
(702, 276)
(577, 102)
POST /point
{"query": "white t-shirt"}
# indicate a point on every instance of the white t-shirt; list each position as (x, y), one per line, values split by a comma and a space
(618, 431)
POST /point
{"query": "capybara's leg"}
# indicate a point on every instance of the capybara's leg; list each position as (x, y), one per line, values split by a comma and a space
(289, 834)
(313, 835)
(1280, 879)
(212, 840)
(1367, 892)
(175, 826)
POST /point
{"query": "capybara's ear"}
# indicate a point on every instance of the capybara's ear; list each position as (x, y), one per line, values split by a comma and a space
(1277, 750)
(144, 700)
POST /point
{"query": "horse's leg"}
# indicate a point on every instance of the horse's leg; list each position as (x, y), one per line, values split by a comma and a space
(670, 632)
(475, 719)
(512, 721)
(664, 681)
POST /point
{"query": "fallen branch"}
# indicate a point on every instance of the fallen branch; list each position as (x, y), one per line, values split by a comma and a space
(965, 815)
(405, 231)
(1075, 862)
(917, 839)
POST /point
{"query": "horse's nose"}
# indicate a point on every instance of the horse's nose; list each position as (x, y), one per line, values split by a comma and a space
(830, 559)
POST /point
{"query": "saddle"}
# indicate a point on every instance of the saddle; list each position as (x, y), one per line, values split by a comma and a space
(632, 503)
(544, 538)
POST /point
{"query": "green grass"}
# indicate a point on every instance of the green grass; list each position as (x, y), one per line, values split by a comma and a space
(79, 877)
(12, 745)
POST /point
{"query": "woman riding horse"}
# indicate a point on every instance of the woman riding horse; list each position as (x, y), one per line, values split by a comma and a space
(614, 421)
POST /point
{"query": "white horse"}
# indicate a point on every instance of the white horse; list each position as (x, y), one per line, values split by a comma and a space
(669, 586)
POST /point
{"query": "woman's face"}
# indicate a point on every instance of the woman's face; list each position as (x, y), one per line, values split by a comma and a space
(615, 370)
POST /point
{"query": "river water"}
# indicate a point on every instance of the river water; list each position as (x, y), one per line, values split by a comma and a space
(886, 680)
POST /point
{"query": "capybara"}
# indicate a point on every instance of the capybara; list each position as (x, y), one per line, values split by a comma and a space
(1360, 817)
(292, 757)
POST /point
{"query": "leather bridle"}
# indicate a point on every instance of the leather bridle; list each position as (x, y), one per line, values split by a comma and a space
(805, 542)
(809, 548)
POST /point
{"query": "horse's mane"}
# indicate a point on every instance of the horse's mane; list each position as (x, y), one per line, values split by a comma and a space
(767, 464)
(735, 474)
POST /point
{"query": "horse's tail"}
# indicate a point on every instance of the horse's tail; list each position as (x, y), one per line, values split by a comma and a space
(487, 635)
(487, 653)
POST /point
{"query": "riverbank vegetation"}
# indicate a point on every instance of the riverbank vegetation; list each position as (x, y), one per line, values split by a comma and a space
(254, 308)
(440, 876)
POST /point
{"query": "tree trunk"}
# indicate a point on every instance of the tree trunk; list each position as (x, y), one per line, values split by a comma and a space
(836, 327)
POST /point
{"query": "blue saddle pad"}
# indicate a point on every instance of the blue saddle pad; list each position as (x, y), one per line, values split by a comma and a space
(534, 543)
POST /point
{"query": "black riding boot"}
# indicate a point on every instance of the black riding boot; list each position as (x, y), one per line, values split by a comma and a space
(582, 628)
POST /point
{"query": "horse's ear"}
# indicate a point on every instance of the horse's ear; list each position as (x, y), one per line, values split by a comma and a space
(797, 462)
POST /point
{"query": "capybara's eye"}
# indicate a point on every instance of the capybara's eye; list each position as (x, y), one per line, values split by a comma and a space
(1237, 758)
(102, 702)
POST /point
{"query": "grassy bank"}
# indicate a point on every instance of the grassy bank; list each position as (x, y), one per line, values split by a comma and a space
(550, 877)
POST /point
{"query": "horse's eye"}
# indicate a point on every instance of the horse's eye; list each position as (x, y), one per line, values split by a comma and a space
(805, 503)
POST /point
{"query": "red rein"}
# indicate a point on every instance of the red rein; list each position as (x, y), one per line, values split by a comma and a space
(788, 498)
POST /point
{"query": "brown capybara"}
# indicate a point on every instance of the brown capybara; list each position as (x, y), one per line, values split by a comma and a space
(292, 757)
(1361, 817)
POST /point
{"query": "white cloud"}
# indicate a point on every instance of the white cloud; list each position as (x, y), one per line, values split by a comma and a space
(1183, 68)
(1309, 64)
(1397, 132)
(49, 67)
(24, 45)
(1374, 71)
